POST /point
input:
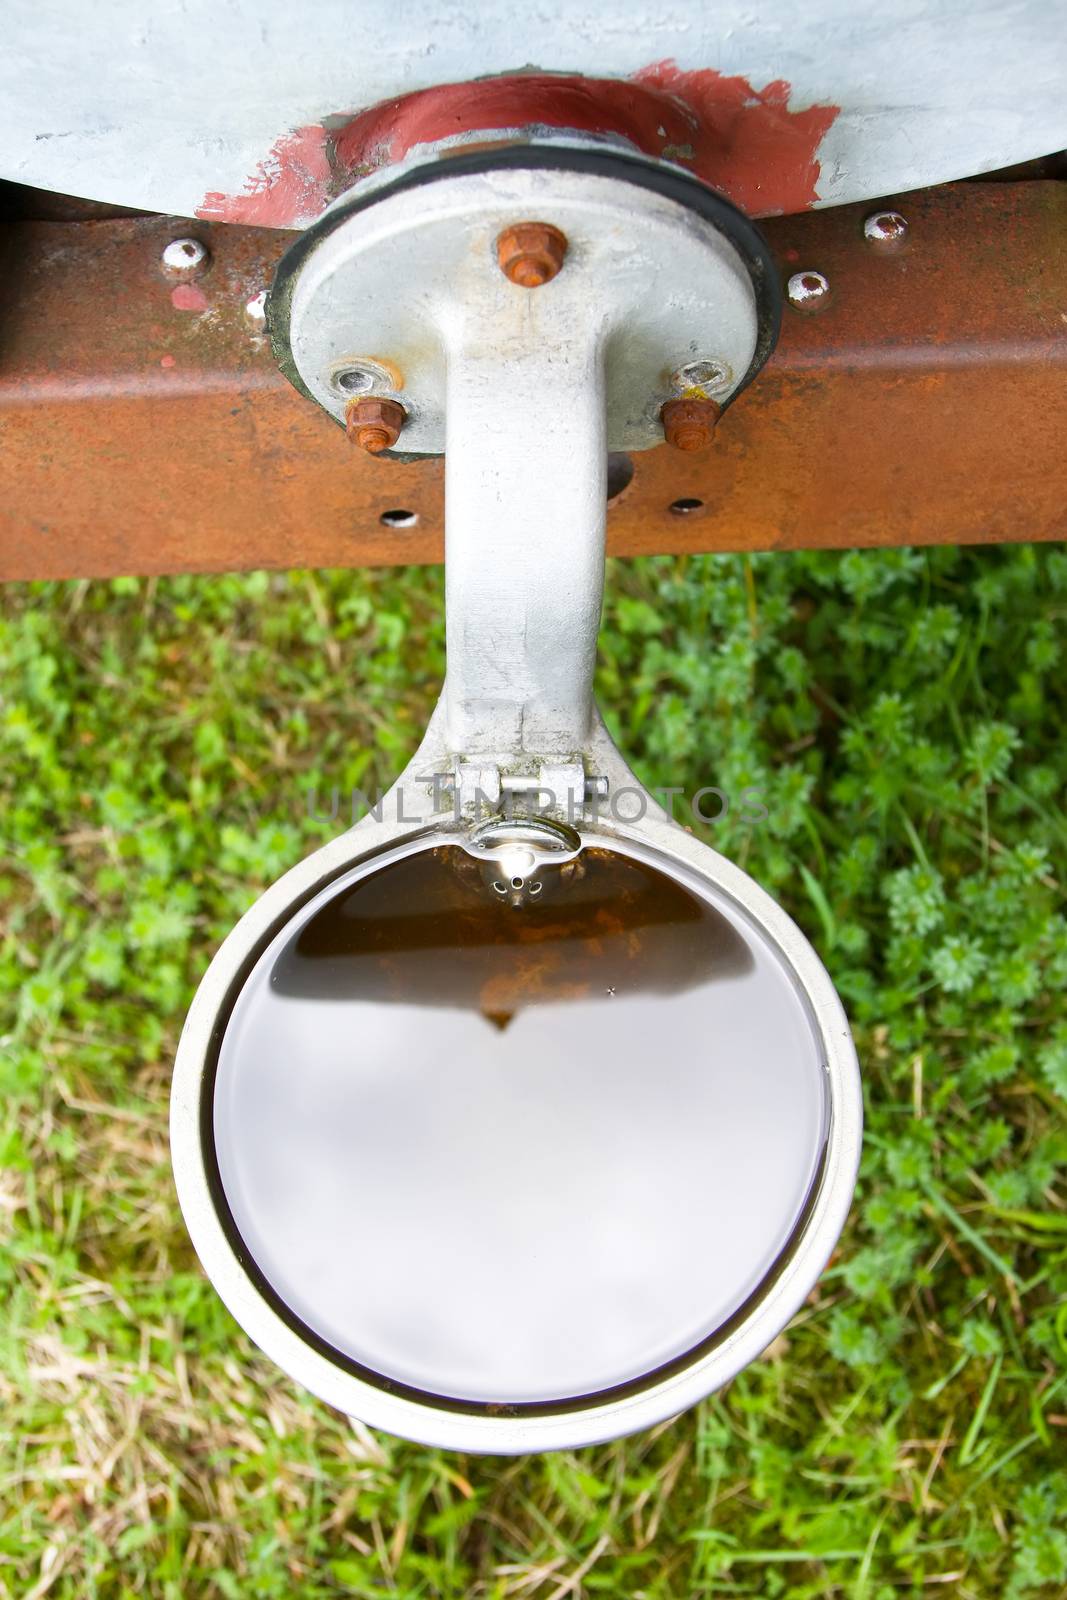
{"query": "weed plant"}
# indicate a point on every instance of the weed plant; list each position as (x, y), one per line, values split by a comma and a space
(902, 714)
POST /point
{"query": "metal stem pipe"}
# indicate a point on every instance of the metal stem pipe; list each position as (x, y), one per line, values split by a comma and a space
(525, 511)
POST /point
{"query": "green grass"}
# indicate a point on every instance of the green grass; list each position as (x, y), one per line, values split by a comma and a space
(903, 714)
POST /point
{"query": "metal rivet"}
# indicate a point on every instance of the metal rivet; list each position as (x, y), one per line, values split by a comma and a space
(185, 258)
(808, 291)
(885, 228)
(713, 375)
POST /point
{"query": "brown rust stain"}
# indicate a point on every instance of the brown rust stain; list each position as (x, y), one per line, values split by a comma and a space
(531, 253)
(427, 930)
(880, 422)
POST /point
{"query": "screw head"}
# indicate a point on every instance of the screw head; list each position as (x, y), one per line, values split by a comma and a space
(531, 253)
(185, 258)
(885, 229)
(689, 424)
(808, 291)
(702, 375)
(374, 423)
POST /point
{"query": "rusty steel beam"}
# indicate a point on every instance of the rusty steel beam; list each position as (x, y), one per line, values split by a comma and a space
(145, 429)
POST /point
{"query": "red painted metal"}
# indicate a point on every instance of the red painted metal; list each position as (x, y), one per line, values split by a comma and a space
(926, 403)
(743, 139)
(290, 187)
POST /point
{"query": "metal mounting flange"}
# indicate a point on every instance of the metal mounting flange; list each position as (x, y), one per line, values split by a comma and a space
(682, 276)
(654, 290)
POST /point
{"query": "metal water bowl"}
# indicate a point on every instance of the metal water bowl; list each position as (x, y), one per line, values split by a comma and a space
(503, 1122)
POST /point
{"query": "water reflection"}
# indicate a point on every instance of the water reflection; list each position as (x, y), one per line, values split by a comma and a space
(427, 930)
(544, 1207)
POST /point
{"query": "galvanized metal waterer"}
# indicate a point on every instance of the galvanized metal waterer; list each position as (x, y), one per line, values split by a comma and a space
(515, 1117)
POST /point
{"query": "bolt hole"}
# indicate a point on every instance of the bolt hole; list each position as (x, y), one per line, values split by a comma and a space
(354, 380)
(685, 507)
(501, 888)
(702, 375)
(399, 517)
(620, 474)
(516, 883)
(535, 888)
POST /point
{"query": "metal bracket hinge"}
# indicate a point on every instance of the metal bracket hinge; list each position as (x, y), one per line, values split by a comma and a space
(479, 788)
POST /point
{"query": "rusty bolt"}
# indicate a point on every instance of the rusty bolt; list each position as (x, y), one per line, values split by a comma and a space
(531, 253)
(689, 424)
(374, 423)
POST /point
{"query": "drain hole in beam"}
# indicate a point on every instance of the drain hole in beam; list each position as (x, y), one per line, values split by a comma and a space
(399, 517)
(686, 507)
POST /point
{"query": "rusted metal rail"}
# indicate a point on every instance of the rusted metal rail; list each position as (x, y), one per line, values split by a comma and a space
(145, 429)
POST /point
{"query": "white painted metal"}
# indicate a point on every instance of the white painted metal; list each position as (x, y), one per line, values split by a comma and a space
(156, 105)
(410, 285)
(524, 538)
(530, 388)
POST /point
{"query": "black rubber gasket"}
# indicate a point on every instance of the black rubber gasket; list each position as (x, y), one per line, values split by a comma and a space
(644, 173)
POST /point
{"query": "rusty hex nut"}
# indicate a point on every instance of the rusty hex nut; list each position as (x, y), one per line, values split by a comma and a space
(689, 424)
(374, 423)
(531, 253)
